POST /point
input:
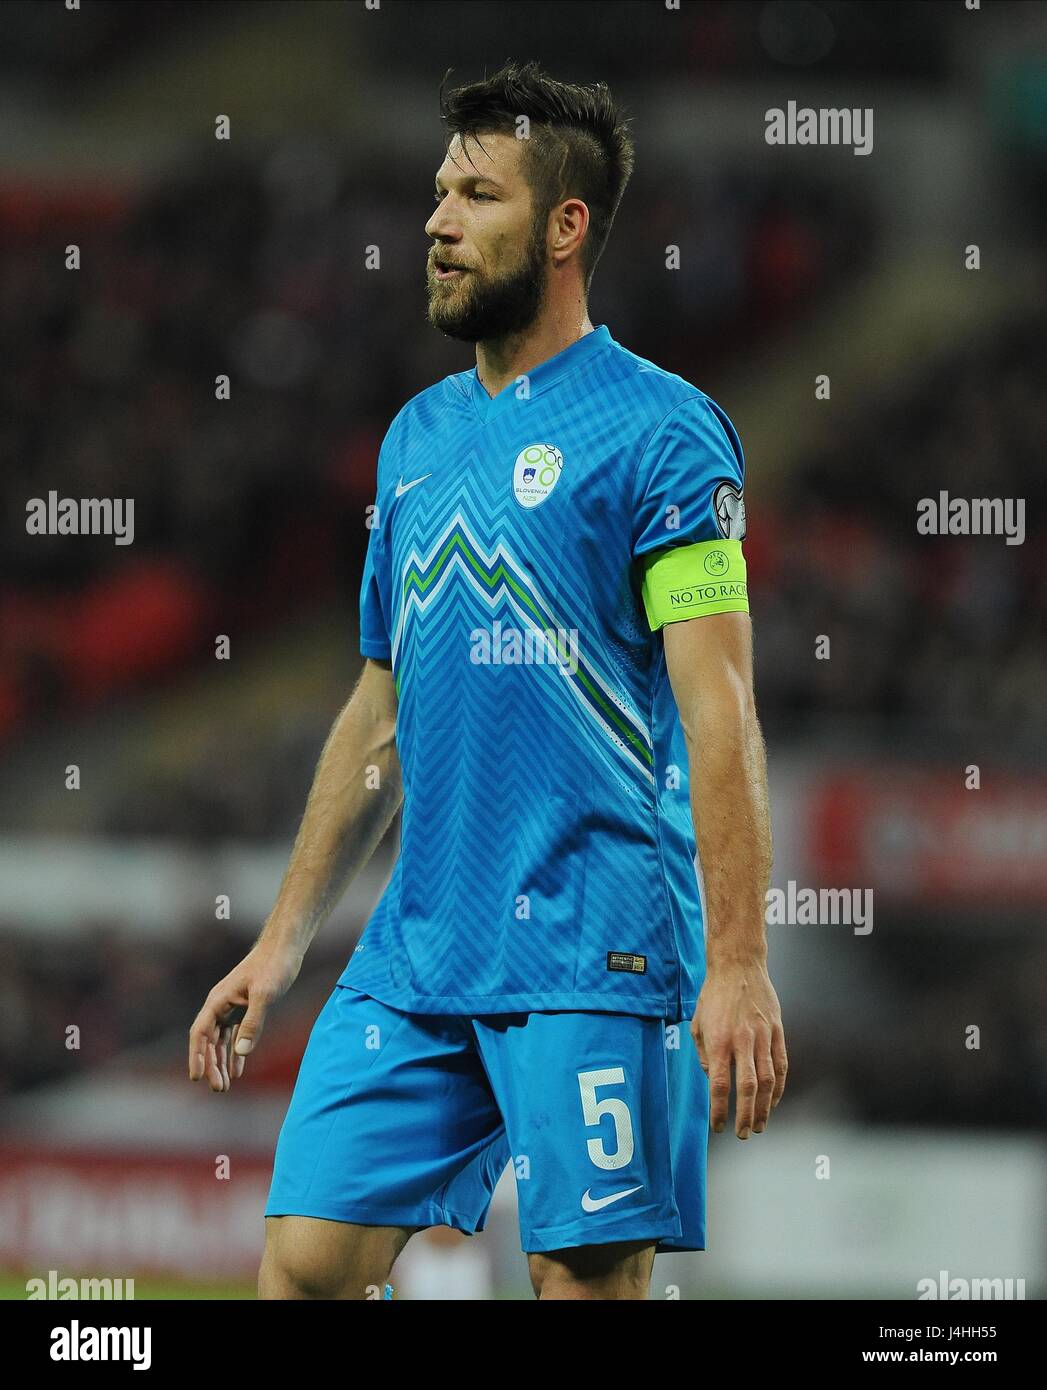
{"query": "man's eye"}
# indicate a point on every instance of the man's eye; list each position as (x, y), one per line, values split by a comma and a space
(485, 197)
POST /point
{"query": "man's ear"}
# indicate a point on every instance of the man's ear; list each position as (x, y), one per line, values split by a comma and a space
(572, 224)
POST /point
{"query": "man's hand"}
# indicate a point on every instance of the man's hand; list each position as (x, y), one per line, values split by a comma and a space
(345, 817)
(739, 1020)
(218, 1047)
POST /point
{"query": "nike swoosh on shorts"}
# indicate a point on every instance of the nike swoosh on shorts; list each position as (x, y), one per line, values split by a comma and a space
(596, 1203)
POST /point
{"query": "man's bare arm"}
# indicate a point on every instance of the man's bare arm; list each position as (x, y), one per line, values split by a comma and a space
(356, 791)
(355, 794)
(709, 660)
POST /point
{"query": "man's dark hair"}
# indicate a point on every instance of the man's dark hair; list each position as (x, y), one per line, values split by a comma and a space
(578, 146)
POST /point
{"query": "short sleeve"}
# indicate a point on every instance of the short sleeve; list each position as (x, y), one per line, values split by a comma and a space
(689, 517)
(374, 600)
(689, 481)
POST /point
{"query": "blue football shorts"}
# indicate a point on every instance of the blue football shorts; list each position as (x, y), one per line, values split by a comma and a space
(404, 1119)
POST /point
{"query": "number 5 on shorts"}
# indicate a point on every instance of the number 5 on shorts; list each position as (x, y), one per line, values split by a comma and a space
(593, 1110)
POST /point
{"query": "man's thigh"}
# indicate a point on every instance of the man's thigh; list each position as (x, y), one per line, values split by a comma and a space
(617, 1271)
(392, 1123)
(307, 1258)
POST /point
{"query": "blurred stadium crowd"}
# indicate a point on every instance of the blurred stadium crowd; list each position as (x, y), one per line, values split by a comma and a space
(843, 556)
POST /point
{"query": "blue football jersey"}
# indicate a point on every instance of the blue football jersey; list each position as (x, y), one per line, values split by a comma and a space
(547, 854)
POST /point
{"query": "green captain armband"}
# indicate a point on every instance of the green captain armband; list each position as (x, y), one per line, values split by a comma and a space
(690, 581)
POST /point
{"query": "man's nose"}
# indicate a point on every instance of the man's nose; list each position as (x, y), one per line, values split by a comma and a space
(443, 225)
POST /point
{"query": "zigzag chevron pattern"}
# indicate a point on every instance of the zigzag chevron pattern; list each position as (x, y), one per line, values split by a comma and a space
(498, 580)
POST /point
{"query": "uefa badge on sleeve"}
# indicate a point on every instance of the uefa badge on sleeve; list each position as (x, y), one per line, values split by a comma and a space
(729, 505)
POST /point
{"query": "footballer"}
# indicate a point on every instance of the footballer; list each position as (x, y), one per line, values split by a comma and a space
(524, 990)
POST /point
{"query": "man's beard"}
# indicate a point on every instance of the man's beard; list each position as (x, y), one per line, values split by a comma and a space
(477, 309)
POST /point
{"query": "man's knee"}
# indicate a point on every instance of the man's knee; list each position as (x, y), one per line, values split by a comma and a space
(310, 1258)
(617, 1271)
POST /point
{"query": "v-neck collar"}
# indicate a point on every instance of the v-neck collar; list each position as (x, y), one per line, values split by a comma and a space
(540, 378)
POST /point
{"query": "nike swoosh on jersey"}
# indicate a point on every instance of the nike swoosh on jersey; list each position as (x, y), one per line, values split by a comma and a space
(596, 1203)
(402, 487)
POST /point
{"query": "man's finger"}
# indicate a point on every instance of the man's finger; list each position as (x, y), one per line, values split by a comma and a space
(745, 1087)
(781, 1062)
(237, 1062)
(224, 1040)
(251, 1025)
(765, 1079)
(203, 1032)
(719, 1089)
(214, 1075)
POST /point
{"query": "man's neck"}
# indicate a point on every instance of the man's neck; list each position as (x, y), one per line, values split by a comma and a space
(502, 360)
